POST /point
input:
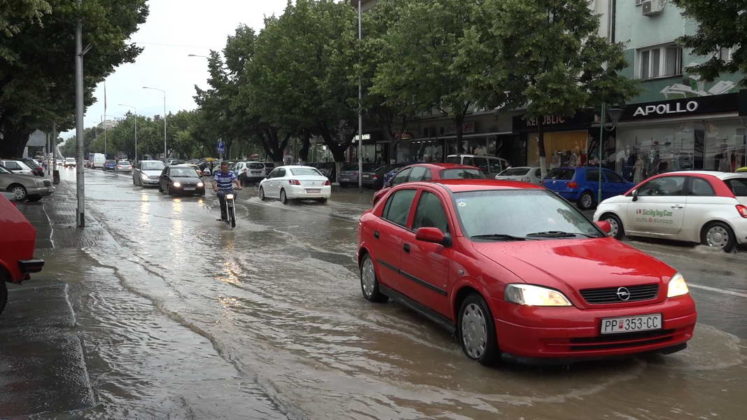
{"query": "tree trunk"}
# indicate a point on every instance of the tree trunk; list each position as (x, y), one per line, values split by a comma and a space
(541, 147)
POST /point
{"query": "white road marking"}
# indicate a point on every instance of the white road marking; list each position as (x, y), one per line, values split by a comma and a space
(713, 289)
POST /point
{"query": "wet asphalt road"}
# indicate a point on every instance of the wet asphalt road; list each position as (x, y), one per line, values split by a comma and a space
(180, 316)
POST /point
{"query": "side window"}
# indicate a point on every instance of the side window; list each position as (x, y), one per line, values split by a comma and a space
(401, 177)
(398, 207)
(417, 173)
(613, 177)
(592, 175)
(665, 186)
(430, 213)
(701, 187)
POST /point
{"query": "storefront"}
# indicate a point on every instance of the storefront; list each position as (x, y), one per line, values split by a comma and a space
(567, 139)
(702, 133)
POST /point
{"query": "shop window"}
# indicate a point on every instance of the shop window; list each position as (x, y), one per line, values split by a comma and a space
(661, 61)
(701, 187)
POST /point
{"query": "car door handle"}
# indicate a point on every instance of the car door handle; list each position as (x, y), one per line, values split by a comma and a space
(376, 234)
(406, 248)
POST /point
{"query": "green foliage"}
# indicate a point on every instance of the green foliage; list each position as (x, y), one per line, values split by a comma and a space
(722, 24)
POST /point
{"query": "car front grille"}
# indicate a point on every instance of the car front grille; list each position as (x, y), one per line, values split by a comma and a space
(613, 294)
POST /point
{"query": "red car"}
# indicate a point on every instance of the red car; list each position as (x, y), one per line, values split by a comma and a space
(430, 172)
(517, 272)
(16, 248)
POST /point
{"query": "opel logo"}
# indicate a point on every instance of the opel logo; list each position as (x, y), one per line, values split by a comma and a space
(623, 293)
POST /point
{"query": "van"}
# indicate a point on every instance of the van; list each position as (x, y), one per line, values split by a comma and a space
(489, 165)
(97, 160)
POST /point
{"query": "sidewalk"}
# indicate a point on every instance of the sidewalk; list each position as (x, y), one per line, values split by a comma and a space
(42, 366)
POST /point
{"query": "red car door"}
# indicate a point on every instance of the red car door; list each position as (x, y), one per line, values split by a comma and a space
(388, 232)
(425, 265)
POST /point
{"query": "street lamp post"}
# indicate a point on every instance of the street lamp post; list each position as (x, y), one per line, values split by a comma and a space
(614, 114)
(134, 109)
(165, 153)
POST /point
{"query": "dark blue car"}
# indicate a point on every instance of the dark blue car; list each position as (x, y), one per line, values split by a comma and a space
(580, 185)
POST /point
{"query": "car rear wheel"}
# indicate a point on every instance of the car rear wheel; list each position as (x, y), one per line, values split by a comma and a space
(262, 194)
(18, 191)
(369, 283)
(718, 235)
(477, 330)
(283, 197)
(586, 201)
(616, 227)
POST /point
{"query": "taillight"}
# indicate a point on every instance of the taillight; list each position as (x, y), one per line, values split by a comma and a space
(742, 210)
(572, 185)
(327, 182)
(294, 182)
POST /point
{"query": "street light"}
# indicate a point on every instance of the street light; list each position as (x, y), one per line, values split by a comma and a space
(165, 154)
(614, 114)
(135, 109)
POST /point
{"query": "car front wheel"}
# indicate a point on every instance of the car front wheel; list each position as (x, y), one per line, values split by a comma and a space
(718, 235)
(369, 283)
(477, 330)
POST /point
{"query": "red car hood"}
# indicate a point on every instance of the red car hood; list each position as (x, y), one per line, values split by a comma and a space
(576, 264)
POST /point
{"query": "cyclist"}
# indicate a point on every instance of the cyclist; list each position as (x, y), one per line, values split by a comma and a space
(224, 182)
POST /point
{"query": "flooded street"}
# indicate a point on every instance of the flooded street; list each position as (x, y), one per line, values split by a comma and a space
(180, 316)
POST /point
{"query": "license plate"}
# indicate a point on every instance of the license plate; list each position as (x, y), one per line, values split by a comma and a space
(313, 190)
(189, 188)
(631, 324)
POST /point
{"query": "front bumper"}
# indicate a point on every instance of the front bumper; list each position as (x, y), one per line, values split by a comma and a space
(302, 192)
(573, 333)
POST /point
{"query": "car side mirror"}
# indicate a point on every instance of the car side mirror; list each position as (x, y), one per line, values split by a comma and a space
(634, 193)
(604, 225)
(433, 235)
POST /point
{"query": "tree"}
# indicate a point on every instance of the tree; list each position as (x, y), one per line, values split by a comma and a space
(549, 60)
(722, 25)
(35, 89)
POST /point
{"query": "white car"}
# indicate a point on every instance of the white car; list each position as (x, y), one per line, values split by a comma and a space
(694, 206)
(295, 182)
(531, 174)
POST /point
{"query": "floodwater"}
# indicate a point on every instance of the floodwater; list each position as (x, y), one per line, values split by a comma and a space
(180, 316)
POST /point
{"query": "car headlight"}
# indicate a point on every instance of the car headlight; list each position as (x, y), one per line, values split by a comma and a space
(177, 184)
(677, 286)
(530, 295)
(200, 184)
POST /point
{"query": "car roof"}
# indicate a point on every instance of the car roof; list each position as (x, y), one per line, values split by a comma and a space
(464, 185)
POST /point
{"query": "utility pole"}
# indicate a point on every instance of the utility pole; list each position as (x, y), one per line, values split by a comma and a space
(80, 212)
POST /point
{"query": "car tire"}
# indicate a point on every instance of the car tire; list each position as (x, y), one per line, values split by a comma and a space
(586, 201)
(718, 235)
(34, 198)
(476, 330)
(262, 194)
(283, 197)
(618, 231)
(369, 282)
(19, 192)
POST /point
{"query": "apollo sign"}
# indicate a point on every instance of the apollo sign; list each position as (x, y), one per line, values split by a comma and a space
(666, 109)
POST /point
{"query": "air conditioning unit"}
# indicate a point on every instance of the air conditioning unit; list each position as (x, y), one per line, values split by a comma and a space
(652, 7)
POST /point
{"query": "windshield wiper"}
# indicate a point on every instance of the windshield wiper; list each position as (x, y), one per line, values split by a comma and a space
(555, 234)
(498, 237)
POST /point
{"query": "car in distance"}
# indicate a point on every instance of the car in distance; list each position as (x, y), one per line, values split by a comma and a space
(531, 174)
(123, 166)
(16, 166)
(147, 173)
(24, 187)
(580, 184)
(694, 206)
(16, 248)
(295, 182)
(517, 272)
(181, 179)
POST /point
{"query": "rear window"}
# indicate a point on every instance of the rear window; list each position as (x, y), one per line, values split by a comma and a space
(256, 166)
(304, 171)
(738, 186)
(515, 172)
(461, 174)
(561, 173)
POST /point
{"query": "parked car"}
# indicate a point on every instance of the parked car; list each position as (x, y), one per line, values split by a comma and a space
(489, 165)
(295, 182)
(694, 206)
(181, 179)
(16, 166)
(147, 173)
(581, 184)
(16, 248)
(430, 172)
(530, 174)
(516, 272)
(36, 168)
(123, 166)
(110, 165)
(24, 187)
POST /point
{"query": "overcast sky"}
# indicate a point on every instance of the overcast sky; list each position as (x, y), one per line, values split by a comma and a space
(174, 29)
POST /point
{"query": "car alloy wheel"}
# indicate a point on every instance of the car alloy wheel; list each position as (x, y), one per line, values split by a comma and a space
(719, 235)
(19, 192)
(477, 331)
(586, 201)
(369, 284)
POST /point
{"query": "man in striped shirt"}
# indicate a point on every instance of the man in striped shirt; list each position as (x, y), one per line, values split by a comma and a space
(224, 182)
